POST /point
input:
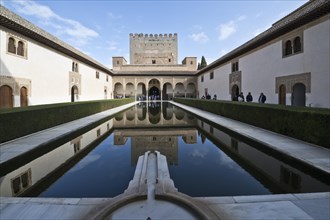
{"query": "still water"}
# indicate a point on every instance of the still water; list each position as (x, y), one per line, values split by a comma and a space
(203, 160)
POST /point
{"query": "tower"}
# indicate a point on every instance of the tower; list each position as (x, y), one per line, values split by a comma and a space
(154, 49)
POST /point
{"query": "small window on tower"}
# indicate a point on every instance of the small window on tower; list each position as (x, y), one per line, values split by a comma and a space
(153, 61)
(169, 60)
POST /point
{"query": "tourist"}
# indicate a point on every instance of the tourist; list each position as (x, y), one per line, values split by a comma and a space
(203, 97)
(262, 98)
(215, 97)
(241, 97)
(208, 96)
(249, 97)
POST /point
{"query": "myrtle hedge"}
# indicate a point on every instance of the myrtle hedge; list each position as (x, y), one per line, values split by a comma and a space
(308, 124)
(21, 121)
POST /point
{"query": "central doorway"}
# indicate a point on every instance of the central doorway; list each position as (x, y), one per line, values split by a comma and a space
(154, 90)
(154, 93)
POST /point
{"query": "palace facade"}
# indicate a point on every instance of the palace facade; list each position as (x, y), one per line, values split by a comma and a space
(289, 63)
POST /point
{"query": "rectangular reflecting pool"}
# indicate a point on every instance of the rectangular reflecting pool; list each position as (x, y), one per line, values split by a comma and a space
(203, 160)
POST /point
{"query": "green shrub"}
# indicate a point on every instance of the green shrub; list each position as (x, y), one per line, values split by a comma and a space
(307, 124)
(17, 122)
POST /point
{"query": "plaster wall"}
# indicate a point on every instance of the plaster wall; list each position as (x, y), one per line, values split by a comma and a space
(47, 71)
(260, 68)
(219, 85)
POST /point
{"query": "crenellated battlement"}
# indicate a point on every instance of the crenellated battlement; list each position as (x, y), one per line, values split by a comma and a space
(154, 49)
(150, 36)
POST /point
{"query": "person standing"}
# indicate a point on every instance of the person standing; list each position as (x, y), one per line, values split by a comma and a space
(249, 97)
(241, 97)
(262, 98)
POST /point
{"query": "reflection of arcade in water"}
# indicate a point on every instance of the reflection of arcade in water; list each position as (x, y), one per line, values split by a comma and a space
(157, 127)
(25, 178)
(153, 114)
(283, 177)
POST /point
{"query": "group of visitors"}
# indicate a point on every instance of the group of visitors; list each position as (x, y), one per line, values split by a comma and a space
(240, 98)
(208, 96)
(249, 97)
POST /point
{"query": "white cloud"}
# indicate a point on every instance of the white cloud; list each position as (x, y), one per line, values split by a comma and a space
(75, 32)
(224, 160)
(199, 37)
(229, 28)
(32, 8)
(225, 30)
(199, 153)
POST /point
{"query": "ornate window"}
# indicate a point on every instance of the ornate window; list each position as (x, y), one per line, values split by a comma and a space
(20, 48)
(211, 75)
(293, 44)
(20, 183)
(234, 67)
(16, 46)
(202, 78)
(288, 48)
(11, 45)
(297, 45)
(75, 67)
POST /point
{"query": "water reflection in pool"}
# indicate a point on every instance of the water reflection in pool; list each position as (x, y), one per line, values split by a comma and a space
(203, 160)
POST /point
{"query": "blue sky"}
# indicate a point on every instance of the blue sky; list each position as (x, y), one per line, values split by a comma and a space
(101, 28)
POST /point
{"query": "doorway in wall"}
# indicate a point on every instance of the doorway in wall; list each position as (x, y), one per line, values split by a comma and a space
(6, 97)
(282, 95)
(74, 93)
(234, 92)
(154, 93)
(298, 95)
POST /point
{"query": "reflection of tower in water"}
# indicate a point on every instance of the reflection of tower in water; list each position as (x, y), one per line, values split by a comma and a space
(165, 141)
(154, 126)
(166, 145)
